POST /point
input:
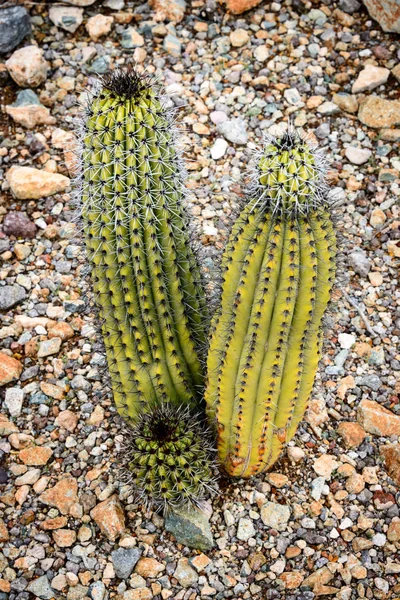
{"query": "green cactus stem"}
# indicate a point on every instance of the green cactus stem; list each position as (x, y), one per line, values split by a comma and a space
(278, 270)
(146, 278)
(167, 459)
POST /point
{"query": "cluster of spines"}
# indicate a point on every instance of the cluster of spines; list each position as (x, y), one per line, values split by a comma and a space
(167, 458)
(278, 269)
(145, 274)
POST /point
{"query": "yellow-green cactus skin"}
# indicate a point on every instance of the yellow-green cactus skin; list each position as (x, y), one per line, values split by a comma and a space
(145, 275)
(278, 270)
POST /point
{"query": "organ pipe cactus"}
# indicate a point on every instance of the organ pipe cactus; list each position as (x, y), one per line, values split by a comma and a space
(145, 275)
(278, 269)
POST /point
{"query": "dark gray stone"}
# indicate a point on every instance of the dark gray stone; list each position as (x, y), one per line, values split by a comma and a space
(15, 25)
(190, 527)
(41, 588)
(124, 561)
(10, 295)
(349, 6)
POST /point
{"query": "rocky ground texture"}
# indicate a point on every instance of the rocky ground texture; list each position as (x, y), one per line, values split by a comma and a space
(326, 521)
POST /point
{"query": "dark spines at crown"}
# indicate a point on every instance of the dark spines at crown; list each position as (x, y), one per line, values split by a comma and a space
(127, 83)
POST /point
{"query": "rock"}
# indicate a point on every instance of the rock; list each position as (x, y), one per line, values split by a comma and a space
(62, 496)
(317, 413)
(131, 38)
(393, 532)
(80, 2)
(292, 96)
(245, 529)
(124, 561)
(358, 156)
(10, 369)
(234, 130)
(35, 456)
(359, 262)
(149, 567)
(295, 454)
(190, 527)
(386, 12)
(391, 454)
(15, 25)
(261, 53)
(10, 295)
(352, 433)
(27, 183)
(41, 588)
(237, 7)
(275, 515)
(168, 10)
(19, 225)
(27, 66)
(377, 420)
(66, 17)
(219, 148)
(291, 580)
(172, 45)
(346, 102)
(349, 6)
(371, 381)
(377, 217)
(185, 574)
(396, 72)
(49, 347)
(377, 112)
(4, 535)
(97, 590)
(110, 518)
(325, 465)
(239, 37)
(28, 111)
(61, 330)
(370, 78)
(346, 340)
(98, 25)
(64, 538)
(13, 401)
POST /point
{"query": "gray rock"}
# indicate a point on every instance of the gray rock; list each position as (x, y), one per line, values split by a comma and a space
(26, 98)
(275, 515)
(349, 6)
(323, 131)
(10, 295)
(245, 529)
(371, 381)
(80, 383)
(97, 590)
(359, 262)
(124, 561)
(172, 45)
(190, 527)
(234, 130)
(386, 12)
(15, 25)
(318, 16)
(41, 588)
(78, 592)
(100, 65)
(19, 224)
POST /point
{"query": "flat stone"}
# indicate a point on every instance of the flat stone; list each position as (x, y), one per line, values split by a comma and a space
(28, 67)
(377, 419)
(185, 574)
(49, 347)
(275, 516)
(346, 102)
(190, 527)
(41, 588)
(172, 45)
(358, 156)
(391, 453)
(378, 112)
(15, 25)
(393, 533)
(19, 225)
(66, 17)
(149, 567)
(110, 518)
(219, 148)
(10, 369)
(64, 538)
(62, 496)
(35, 455)
(131, 39)
(124, 561)
(68, 420)
(352, 433)
(370, 78)
(13, 401)
(10, 295)
(359, 262)
(28, 111)
(325, 465)
(239, 37)
(27, 183)
(386, 12)
(291, 580)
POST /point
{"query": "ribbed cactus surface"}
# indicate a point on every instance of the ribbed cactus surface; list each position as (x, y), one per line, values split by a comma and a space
(167, 458)
(145, 274)
(278, 269)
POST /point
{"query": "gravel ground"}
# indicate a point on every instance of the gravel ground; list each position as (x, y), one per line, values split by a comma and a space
(326, 521)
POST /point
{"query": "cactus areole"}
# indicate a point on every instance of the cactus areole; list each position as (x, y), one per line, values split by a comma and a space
(278, 269)
(144, 272)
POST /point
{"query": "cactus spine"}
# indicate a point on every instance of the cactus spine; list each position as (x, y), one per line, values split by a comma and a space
(145, 275)
(266, 338)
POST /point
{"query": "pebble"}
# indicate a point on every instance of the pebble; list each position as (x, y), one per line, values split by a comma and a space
(27, 183)
(359, 262)
(185, 574)
(275, 515)
(172, 45)
(13, 401)
(239, 37)
(49, 347)
(245, 529)
(370, 78)
(131, 38)
(110, 518)
(378, 112)
(10, 295)
(10, 369)
(99, 25)
(346, 340)
(377, 419)
(191, 528)
(28, 67)
(234, 130)
(41, 588)
(358, 156)
(66, 17)
(346, 102)
(124, 561)
(15, 25)
(28, 111)
(219, 148)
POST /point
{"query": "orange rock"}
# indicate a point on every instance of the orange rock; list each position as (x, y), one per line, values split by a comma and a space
(391, 453)
(110, 518)
(237, 7)
(10, 369)
(393, 533)
(35, 455)
(51, 390)
(63, 496)
(62, 330)
(277, 479)
(68, 420)
(64, 538)
(355, 483)
(168, 10)
(352, 433)
(5, 586)
(292, 580)
(3, 531)
(149, 567)
(292, 552)
(6, 426)
(56, 523)
(376, 419)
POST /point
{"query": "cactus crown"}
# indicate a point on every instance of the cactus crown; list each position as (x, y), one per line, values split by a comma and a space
(289, 176)
(166, 458)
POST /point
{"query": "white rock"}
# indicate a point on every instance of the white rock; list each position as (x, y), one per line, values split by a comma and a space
(346, 523)
(295, 454)
(275, 515)
(14, 400)
(219, 148)
(245, 529)
(358, 156)
(27, 66)
(370, 78)
(379, 540)
(261, 53)
(66, 17)
(346, 340)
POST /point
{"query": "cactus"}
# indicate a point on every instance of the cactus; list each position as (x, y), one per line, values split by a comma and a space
(166, 458)
(145, 275)
(278, 269)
